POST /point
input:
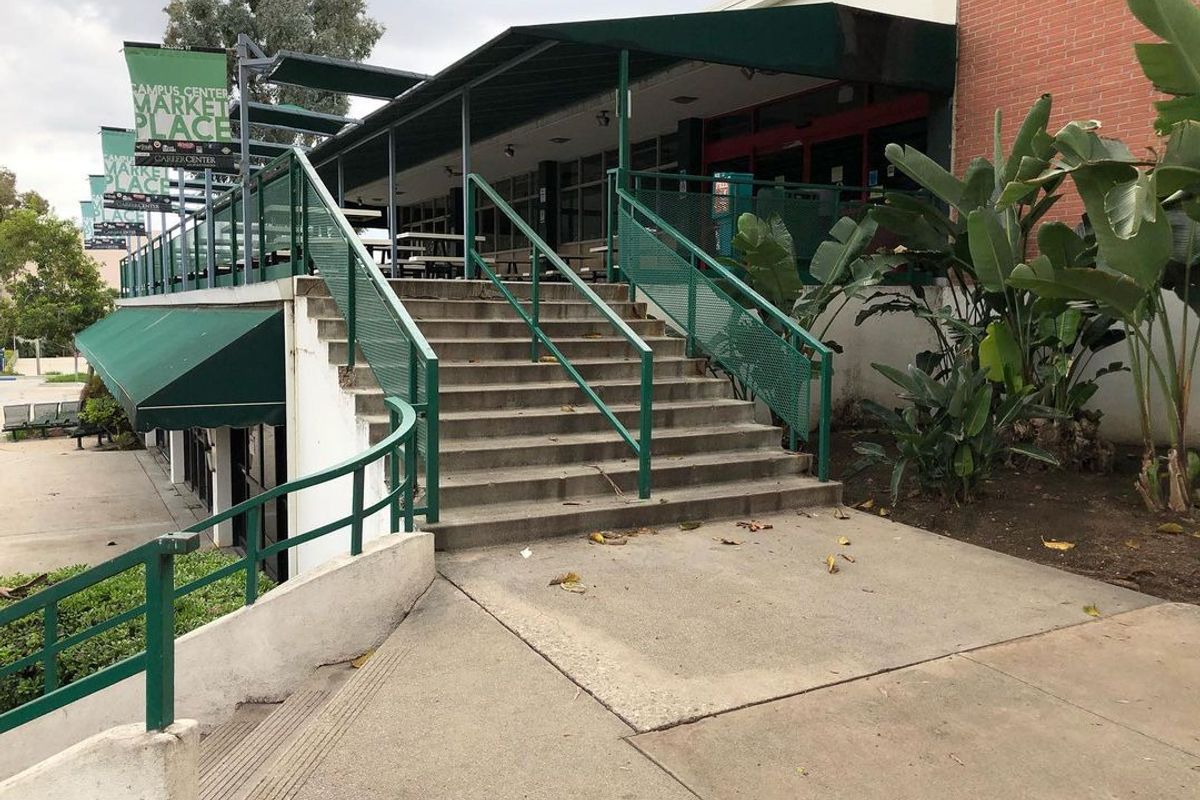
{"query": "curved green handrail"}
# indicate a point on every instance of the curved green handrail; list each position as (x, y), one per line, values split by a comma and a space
(642, 444)
(157, 556)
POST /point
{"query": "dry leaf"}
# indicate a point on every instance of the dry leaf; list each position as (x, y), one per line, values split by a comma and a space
(831, 564)
(547, 359)
(600, 538)
(801, 771)
(840, 513)
(569, 581)
(754, 526)
(1170, 527)
(866, 505)
(597, 537)
(885, 512)
(847, 556)
(843, 541)
(593, 335)
(16, 592)
(1054, 544)
(689, 526)
(1091, 610)
(728, 541)
(1133, 544)
(566, 408)
(570, 586)
(361, 660)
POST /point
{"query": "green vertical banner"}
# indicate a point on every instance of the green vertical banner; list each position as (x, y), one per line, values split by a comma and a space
(181, 107)
(130, 187)
(109, 221)
(87, 220)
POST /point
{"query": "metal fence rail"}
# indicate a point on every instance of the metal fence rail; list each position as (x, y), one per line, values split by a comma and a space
(158, 607)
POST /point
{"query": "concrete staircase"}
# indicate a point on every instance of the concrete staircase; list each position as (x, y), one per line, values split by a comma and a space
(524, 453)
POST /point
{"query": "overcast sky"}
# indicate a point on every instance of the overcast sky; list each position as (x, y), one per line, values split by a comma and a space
(62, 74)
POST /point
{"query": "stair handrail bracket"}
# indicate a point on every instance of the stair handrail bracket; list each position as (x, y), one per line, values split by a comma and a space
(539, 250)
(806, 350)
(157, 557)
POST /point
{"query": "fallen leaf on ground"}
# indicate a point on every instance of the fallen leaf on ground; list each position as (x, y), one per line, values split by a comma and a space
(843, 541)
(866, 505)
(801, 771)
(885, 512)
(600, 538)
(689, 526)
(847, 556)
(15, 592)
(957, 760)
(1091, 610)
(1133, 544)
(1170, 527)
(728, 541)
(831, 563)
(1055, 544)
(566, 408)
(547, 359)
(840, 513)
(566, 577)
(754, 525)
(593, 335)
(361, 660)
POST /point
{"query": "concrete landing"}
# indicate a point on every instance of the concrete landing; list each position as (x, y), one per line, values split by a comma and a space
(466, 710)
(1071, 715)
(677, 626)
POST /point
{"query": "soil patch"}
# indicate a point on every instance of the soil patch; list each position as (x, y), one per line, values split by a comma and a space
(1116, 540)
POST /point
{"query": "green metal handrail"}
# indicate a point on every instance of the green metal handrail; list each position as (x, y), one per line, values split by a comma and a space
(794, 335)
(539, 249)
(157, 556)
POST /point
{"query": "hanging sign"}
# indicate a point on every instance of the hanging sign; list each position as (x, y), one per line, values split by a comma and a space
(109, 221)
(181, 107)
(129, 187)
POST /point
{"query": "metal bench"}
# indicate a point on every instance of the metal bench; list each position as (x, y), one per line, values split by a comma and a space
(44, 417)
(68, 414)
(16, 419)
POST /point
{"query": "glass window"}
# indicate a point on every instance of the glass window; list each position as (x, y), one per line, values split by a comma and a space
(592, 212)
(591, 169)
(727, 127)
(568, 173)
(568, 217)
(645, 155)
(668, 149)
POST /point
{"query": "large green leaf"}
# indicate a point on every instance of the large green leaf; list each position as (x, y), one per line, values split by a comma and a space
(1176, 110)
(927, 172)
(1024, 145)
(1131, 203)
(991, 250)
(1142, 255)
(1178, 23)
(1060, 244)
(1180, 165)
(1115, 294)
(979, 412)
(1167, 68)
(834, 256)
(999, 353)
(964, 461)
(979, 181)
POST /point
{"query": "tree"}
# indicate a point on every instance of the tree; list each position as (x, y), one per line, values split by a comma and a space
(49, 287)
(338, 28)
(10, 199)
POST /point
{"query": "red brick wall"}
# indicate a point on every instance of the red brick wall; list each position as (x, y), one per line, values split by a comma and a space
(1080, 51)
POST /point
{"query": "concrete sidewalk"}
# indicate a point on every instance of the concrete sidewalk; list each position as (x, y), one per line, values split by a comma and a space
(61, 506)
(924, 668)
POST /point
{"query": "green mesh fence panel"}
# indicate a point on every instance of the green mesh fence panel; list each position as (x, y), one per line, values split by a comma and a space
(278, 212)
(733, 336)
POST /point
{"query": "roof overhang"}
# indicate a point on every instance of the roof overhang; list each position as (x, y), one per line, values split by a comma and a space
(338, 75)
(292, 118)
(180, 367)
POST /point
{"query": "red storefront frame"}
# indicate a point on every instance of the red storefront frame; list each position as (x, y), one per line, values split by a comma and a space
(854, 122)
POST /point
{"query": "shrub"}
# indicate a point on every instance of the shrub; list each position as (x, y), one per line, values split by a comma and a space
(69, 377)
(98, 407)
(103, 601)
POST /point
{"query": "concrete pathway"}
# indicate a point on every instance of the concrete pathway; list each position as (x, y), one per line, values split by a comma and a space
(61, 506)
(924, 668)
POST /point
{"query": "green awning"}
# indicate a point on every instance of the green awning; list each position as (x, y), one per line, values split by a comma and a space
(292, 117)
(175, 367)
(339, 75)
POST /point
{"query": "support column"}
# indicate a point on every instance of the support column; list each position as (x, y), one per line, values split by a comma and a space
(391, 192)
(175, 438)
(468, 192)
(184, 250)
(222, 499)
(341, 184)
(244, 130)
(210, 230)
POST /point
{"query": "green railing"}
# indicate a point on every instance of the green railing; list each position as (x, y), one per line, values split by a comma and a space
(298, 228)
(539, 250)
(157, 658)
(777, 365)
(706, 209)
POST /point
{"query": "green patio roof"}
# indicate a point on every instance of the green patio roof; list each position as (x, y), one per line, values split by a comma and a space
(292, 117)
(179, 367)
(528, 72)
(339, 75)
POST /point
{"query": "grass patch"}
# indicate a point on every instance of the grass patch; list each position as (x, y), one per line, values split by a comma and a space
(68, 377)
(103, 601)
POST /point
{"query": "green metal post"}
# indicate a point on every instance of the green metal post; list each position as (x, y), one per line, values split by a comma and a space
(351, 311)
(160, 641)
(612, 222)
(233, 239)
(356, 513)
(410, 478)
(793, 434)
(468, 190)
(691, 309)
(534, 292)
(826, 413)
(50, 655)
(262, 231)
(394, 472)
(644, 435)
(304, 259)
(623, 160)
(431, 442)
(293, 197)
(253, 527)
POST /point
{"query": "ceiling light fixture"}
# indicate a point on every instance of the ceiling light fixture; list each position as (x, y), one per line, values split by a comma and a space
(509, 150)
(560, 140)
(684, 99)
(602, 119)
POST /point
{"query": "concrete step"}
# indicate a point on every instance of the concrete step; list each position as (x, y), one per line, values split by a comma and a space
(579, 419)
(436, 329)
(521, 522)
(467, 350)
(232, 760)
(458, 373)
(501, 398)
(507, 452)
(485, 290)
(425, 308)
(463, 490)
